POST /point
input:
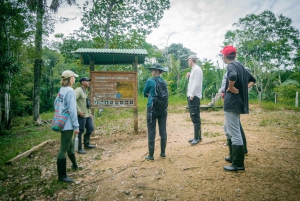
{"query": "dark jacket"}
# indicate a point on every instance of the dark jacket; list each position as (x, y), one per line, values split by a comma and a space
(237, 102)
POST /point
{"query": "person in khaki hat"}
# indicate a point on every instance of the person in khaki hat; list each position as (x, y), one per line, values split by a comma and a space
(194, 94)
(84, 115)
(66, 101)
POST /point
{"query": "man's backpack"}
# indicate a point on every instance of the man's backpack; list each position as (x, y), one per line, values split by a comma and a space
(160, 100)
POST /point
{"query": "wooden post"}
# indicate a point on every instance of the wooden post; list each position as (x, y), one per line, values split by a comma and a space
(276, 96)
(297, 100)
(92, 68)
(135, 110)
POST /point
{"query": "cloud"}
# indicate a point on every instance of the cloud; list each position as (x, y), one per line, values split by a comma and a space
(202, 25)
(199, 25)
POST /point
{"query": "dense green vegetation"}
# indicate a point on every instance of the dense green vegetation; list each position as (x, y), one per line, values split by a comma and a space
(30, 67)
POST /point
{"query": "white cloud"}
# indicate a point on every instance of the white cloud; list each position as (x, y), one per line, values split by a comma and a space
(200, 25)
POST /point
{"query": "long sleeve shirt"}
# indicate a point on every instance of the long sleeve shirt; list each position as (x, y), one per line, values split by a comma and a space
(66, 101)
(195, 82)
(81, 97)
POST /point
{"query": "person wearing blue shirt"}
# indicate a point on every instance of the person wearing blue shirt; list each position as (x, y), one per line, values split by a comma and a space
(66, 101)
(154, 114)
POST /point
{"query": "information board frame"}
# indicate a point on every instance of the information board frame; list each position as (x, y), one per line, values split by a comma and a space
(113, 89)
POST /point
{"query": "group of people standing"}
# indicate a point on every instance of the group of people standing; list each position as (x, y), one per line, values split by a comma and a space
(80, 120)
(237, 81)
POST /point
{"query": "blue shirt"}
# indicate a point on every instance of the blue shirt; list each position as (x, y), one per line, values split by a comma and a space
(149, 90)
(67, 102)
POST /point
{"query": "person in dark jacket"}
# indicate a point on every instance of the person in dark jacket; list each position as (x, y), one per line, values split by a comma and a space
(154, 114)
(235, 103)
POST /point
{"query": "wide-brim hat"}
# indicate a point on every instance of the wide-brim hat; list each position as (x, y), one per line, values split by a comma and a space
(158, 67)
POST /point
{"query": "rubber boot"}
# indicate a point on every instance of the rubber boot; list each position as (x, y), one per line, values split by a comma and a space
(229, 158)
(244, 139)
(80, 150)
(151, 145)
(163, 144)
(238, 159)
(72, 158)
(197, 134)
(62, 171)
(87, 144)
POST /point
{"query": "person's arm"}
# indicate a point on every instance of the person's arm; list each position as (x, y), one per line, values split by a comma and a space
(147, 89)
(250, 84)
(78, 94)
(232, 76)
(71, 100)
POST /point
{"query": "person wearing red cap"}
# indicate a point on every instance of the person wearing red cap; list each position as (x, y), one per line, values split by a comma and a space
(235, 103)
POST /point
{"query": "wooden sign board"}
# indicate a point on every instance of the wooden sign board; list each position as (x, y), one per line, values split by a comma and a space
(113, 89)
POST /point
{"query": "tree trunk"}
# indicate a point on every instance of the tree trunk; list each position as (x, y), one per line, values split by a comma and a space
(108, 26)
(38, 60)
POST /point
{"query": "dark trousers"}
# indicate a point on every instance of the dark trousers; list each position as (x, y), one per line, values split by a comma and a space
(194, 106)
(161, 117)
(85, 123)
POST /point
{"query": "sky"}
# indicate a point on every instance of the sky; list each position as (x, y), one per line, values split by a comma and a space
(200, 25)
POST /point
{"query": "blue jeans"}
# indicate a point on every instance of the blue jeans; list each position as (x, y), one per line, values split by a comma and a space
(161, 116)
(85, 123)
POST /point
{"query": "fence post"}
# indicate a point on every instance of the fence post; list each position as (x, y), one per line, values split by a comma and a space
(260, 96)
(297, 100)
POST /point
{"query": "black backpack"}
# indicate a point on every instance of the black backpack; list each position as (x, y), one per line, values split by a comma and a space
(160, 100)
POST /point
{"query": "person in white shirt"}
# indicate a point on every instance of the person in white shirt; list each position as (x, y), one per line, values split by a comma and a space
(194, 94)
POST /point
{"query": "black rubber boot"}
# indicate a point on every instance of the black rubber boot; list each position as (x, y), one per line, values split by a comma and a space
(151, 146)
(197, 135)
(244, 139)
(163, 144)
(72, 158)
(62, 171)
(80, 149)
(229, 158)
(238, 159)
(87, 144)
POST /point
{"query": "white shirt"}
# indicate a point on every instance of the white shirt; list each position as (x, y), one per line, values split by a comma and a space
(195, 82)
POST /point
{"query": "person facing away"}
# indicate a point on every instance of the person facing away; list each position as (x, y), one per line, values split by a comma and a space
(194, 94)
(235, 103)
(66, 101)
(222, 90)
(85, 119)
(154, 113)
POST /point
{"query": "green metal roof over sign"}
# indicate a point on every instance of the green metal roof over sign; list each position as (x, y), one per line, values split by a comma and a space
(111, 56)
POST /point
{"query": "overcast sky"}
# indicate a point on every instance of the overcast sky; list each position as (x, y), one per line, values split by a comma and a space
(200, 25)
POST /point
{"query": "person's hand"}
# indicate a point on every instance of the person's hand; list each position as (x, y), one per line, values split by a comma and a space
(223, 94)
(81, 114)
(233, 90)
(191, 98)
(76, 132)
(188, 75)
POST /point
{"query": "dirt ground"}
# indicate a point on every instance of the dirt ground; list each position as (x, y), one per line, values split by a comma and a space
(117, 169)
(194, 172)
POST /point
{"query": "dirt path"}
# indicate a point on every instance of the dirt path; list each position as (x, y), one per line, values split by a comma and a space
(117, 170)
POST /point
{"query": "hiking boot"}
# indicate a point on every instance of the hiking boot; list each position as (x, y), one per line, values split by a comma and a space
(82, 151)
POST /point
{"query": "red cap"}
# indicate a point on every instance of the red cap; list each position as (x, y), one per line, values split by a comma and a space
(228, 50)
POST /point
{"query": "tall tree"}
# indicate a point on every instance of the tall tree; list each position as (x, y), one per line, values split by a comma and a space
(109, 19)
(15, 29)
(265, 43)
(39, 7)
